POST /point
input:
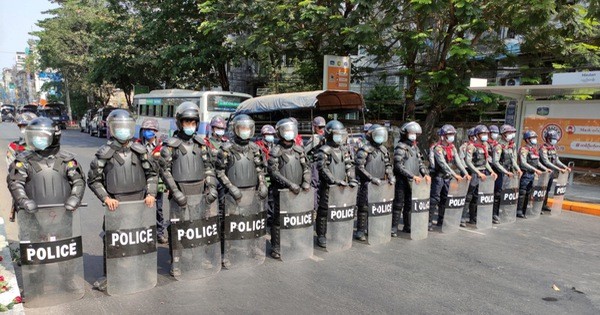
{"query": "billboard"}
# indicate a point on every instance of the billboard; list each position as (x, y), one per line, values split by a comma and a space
(577, 125)
(336, 73)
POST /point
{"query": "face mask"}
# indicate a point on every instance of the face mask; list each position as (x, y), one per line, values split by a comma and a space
(189, 130)
(288, 135)
(495, 136)
(533, 140)
(553, 141)
(320, 132)
(412, 136)
(244, 135)
(378, 139)
(123, 134)
(337, 139)
(40, 143)
(269, 138)
(510, 136)
(148, 134)
(450, 139)
(484, 138)
(220, 132)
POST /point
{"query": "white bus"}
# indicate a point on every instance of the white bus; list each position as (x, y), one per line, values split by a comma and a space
(162, 104)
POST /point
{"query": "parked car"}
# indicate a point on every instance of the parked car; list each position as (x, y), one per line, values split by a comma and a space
(28, 108)
(98, 124)
(8, 113)
(53, 113)
(84, 122)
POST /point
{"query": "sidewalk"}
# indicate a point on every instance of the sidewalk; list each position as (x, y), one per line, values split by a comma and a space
(583, 198)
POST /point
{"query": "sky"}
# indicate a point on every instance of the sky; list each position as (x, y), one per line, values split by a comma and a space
(17, 19)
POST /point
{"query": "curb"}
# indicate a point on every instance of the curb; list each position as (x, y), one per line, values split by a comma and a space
(581, 207)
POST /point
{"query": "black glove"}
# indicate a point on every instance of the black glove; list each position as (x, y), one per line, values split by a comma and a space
(305, 186)
(295, 189)
(341, 183)
(353, 183)
(235, 193)
(72, 203)
(28, 205)
(179, 198)
(262, 191)
(211, 195)
(376, 181)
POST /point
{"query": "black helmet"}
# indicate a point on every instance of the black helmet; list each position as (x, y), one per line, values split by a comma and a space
(41, 133)
(287, 129)
(550, 135)
(186, 110)
(243, 127)
(480, 129)
(121, 125)
(377, 134)
(335, 128)
(528, 134)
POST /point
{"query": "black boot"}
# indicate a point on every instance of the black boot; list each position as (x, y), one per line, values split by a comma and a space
(275, 241)
(406, 221)
(522, 205)
(361, 225)
(395, 222)
(322, 231)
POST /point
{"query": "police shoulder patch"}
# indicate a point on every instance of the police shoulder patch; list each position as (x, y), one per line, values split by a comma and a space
(19, 164)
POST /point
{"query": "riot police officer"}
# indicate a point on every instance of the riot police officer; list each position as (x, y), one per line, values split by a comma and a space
(335, 167)
(289, 169)
(267, 141)
(408, 167)
(185, 164)
(311, 147)
(149, 139)
(122, 170)
(504, 163)
(217, 134)
(462, 150)
(445, 164)
(529, 162)
(476, 161)
(549, 158)
(45, 175)
(18, 146)
(493, 139)
(240, 163)
(373, 165)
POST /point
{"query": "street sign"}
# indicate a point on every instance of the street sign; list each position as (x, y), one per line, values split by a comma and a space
(336, 73)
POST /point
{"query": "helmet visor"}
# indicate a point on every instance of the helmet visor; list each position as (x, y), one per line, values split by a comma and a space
(122, 129)
(39, 139)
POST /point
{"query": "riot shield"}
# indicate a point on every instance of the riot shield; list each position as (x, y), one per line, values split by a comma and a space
(245, 228)
(509, 197)
(340, 217)
(51, 256)
(485, 203)
(559, 193)
(380, 213)
(419, 214)
(130, 246)
(296, 217)
(195, 240)
(538, 195)
(454, 205)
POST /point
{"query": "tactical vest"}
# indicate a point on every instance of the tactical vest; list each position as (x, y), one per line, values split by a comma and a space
(411, 158)
(47, 184)
(187, 165)
(507, 156)
(336, 165)
(533, 157)
(290, 166)
(375, 164)
(552, 154)
(479, 157)
(242, 169)
(124, 173)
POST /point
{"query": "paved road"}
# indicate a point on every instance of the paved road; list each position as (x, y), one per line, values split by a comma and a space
(510, 269)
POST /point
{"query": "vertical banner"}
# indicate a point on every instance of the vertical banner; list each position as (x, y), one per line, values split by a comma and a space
(336, 73)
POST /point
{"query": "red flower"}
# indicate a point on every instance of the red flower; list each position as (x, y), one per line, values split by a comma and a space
(1, 278)
(18, 300)
(1, 258)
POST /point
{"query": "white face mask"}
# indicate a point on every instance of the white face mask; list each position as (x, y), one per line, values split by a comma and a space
(510, 136)
(533, 140)
(245, 134)
(270, 138)
(337, 139)
(412, 136)
(219, 132)
(484, 138)
(553, 141)
(449, 139)
(288, 135)
(495, 136)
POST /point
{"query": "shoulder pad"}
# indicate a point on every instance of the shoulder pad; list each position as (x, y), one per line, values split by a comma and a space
(326, 149)
(138, 148)
(253, 146)
(383, 149)
(198, 139)
(105, 152)
(298, 149)
(174, 142)
(404, 146)
(66, 156)
(24, 156)
(275, 151)
(227, 146)
(368, 148)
